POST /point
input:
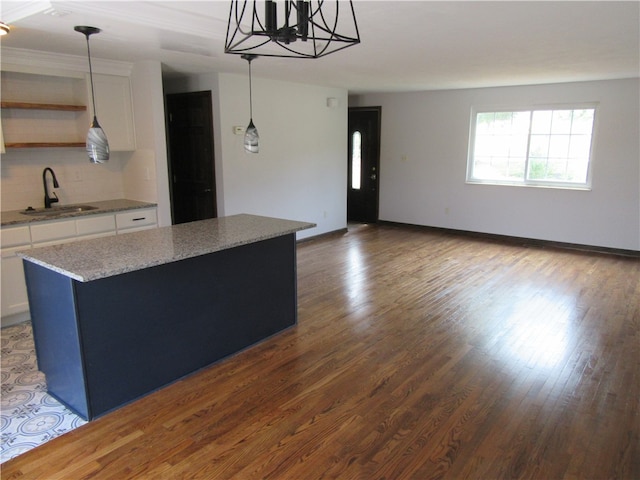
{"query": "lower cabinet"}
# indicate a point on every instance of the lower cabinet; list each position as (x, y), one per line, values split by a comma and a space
(14, 292)
(15, 304)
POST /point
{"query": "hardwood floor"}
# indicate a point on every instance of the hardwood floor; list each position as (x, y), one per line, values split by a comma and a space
(417, 355)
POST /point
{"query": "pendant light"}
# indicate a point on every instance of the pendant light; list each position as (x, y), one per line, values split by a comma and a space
(291, 28)
(251, 137)
(97, 143)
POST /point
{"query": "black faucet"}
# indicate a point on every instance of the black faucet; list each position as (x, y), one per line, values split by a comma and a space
(47, 199)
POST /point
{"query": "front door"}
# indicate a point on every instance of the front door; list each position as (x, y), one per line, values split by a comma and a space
(191, 157)
(364, 164)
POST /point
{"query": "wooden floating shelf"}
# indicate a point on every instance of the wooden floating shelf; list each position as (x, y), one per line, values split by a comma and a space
(43, 144)
(44, 106)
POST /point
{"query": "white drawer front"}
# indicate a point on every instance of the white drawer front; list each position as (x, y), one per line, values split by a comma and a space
(95, 224)
(14, 236)
(136, 218)
(49, 231)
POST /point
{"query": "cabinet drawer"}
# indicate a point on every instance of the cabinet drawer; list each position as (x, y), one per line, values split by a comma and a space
(96, 224)
(136, 218)
(48, 231)
(15, 236)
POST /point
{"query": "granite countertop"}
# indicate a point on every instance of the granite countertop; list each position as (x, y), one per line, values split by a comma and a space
(97, 258)
(15, 217)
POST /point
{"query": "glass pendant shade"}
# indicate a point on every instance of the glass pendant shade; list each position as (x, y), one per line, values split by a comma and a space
(251, 138)
(97, 144)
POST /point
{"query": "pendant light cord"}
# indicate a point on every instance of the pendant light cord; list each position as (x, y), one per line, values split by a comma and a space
(250, 95)
(93, 96)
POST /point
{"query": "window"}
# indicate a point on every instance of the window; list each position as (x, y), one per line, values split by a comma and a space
(532, 147)
(356, 160)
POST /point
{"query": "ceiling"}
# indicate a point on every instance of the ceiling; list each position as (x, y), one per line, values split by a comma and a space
(405, 45)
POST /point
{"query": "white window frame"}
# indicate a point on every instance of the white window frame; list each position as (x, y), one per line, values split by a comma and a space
(525, 182)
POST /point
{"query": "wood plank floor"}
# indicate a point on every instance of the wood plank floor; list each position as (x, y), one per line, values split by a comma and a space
(418, 355)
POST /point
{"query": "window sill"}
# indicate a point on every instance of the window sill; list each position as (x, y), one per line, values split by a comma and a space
(581, 188)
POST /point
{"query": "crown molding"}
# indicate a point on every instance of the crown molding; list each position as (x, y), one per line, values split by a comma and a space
(59, 64)
(160, 15)
(15, 11)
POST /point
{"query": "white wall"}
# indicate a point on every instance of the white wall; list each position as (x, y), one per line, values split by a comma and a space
(300, 172)
(80, 181)
(145, 174)
(425, 138)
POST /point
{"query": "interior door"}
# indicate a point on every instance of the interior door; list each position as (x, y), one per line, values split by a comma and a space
(364, 164)
(191, 156)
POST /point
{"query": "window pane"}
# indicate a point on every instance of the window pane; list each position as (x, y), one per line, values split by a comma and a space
(559, 146)
(556, 170)
(561, 121)
(582, 122)
(539, 147)
(500, 145)
(541, 122)
(580, 146)
(356, 160)
(516, 168)
(568, 146)
(537, 168)
(521, 121)
(484, 122)
(577, 170)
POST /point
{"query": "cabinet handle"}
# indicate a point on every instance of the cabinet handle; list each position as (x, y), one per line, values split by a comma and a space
(138, 219)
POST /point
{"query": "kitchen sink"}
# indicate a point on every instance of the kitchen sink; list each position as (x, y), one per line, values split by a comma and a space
(53, 211)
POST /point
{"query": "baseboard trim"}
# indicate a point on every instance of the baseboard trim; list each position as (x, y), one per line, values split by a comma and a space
(523, 241)
(333, 233)
(15, 319)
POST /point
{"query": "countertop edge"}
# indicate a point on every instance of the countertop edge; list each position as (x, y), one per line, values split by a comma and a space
(127, 267)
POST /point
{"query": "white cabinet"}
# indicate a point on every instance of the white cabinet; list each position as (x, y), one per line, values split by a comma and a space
(41, 234)
(115, 110)
(136, 220)
(14, 291)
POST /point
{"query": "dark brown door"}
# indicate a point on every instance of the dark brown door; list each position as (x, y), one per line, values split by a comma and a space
(364, 164)
(191, 157)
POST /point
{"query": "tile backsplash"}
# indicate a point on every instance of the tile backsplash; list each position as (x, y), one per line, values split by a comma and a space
(80, 181)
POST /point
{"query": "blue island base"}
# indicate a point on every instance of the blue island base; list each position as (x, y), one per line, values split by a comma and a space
(104, 343)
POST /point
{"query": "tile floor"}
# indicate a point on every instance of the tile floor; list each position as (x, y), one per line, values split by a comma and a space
(28, 415)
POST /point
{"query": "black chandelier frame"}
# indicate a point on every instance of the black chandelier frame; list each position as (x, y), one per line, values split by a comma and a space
(309, 30)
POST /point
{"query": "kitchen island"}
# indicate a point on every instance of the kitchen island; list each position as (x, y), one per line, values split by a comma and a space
(116, 318)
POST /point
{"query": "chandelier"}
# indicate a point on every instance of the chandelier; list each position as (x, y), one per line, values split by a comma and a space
(291, 28)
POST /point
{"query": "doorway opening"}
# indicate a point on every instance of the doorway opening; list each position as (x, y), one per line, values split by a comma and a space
(192, 182)
(364, 164)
